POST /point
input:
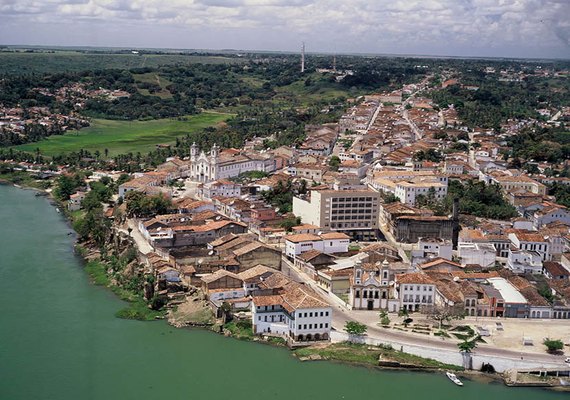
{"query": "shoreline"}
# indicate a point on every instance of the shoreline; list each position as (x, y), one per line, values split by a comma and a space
(477, 376)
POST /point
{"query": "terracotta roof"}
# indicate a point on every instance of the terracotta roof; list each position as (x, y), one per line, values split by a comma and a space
(334, 235)
(302, 237)
(253, 274)
(439, 261)
(217, 275)
(415, 277)
(555, 268)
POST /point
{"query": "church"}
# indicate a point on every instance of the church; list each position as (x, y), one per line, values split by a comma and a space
(224, 164)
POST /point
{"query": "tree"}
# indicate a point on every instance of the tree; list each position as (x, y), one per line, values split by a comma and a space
(355, 328)
(467, 346)
(384, 319)
(442, 314)
(334, 163)
(552, 345)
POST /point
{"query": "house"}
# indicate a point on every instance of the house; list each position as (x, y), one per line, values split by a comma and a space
(549, 214)
(335, 281)
(531, 241)
(328, 243)
(222, 285)
(524, 262)
(256, 253)
(290, 309)
(75, 200)
(313, 260)
(483, 254)
(219, 188)
(414, 290)
(431, 248)
(555, 270)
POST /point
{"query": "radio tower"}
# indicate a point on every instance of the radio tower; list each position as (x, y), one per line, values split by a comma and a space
(303, 58)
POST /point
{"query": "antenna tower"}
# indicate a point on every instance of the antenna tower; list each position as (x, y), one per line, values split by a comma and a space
(303, 58)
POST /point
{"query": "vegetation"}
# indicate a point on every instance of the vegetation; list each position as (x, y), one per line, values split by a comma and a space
(355, 328)
(121, 137)
(553, 345)
(468, 346)
(551, 144)
(240, 329)
(442, 314)
(369, 355)
(140, 205)
(475, 198)
(384, 319)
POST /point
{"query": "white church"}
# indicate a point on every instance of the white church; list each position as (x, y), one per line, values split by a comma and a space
(223, 164)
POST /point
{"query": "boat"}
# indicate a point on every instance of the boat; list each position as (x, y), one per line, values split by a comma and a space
(454, 378)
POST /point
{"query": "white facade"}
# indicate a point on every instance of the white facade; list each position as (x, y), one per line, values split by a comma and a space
(413, 296)
(524, 261)
(483, 254)
(220, 188)
(408, 192)
(531, 242)
(427, 249)
(301, 324)
(541, 217)
(226, 294)
(295, 244)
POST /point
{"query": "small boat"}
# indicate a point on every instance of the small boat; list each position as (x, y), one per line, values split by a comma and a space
(454, 378)
(57, 209)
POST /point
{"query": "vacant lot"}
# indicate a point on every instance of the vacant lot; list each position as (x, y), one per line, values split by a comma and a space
(121, 137)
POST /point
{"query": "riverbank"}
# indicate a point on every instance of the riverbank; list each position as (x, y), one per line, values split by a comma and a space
(108, 272)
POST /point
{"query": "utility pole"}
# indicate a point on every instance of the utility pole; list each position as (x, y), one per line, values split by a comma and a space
(303, 58)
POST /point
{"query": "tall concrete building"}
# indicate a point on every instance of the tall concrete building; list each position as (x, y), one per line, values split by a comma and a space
(354, 212)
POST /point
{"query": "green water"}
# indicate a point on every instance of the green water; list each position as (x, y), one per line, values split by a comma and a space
(59, 339)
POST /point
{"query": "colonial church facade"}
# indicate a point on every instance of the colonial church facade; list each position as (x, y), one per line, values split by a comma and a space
(226, 163)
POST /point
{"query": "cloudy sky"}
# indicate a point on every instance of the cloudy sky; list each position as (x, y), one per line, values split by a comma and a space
(510, 28)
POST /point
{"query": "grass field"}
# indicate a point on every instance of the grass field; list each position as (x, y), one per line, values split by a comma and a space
(320, 89)
(17, 63)
(121, 137)
(155, 79)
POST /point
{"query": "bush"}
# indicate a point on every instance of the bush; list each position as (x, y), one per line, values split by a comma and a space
(553, 346)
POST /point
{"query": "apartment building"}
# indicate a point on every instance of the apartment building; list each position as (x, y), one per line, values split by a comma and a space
(354, 212)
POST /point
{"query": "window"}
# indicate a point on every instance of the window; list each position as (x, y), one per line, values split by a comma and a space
(357, 295)
(304, 326)
(311, 314)
(305, 315)
(327, 314)
(322, 313)
(321, 326)
(326, 325)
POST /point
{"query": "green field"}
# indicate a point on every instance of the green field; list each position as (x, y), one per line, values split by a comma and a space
(320, 89)
(17, 63)
(121, 137)
(155, 79)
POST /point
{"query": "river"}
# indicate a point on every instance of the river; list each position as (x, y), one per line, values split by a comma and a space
(59, 339)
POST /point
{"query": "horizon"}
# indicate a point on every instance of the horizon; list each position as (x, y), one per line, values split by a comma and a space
(166, 50)
(445, 28)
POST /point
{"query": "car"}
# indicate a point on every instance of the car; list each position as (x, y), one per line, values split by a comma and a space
(567, 360)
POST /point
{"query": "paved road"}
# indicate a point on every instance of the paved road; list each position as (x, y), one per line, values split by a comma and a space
(142, 244)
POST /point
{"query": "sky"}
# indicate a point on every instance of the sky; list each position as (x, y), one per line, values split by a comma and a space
(480, 28)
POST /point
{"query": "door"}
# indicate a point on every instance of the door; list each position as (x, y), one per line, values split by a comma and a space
(371, 304)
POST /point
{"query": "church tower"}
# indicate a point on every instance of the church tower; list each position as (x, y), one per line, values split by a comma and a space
(214, 153)
(193, 152)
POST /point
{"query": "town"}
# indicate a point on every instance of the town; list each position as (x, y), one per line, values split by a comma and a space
(397, 209)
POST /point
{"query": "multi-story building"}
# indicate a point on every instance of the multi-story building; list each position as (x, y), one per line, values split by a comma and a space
(531, 241)
(415, 290)
(354, 212)
(290, 309)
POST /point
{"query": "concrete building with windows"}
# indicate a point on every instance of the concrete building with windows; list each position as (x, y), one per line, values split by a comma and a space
(414, 290)
(290, 309)
(354, 212)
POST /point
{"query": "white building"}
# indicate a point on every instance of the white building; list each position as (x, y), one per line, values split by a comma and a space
(428, 249)
(226, 164)
(551, 214)
(524, 261)
(220, 188)
(483, 254)
(414, 290)
(295, 312)
(531, 241)
(408, 191)
(328, 243)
